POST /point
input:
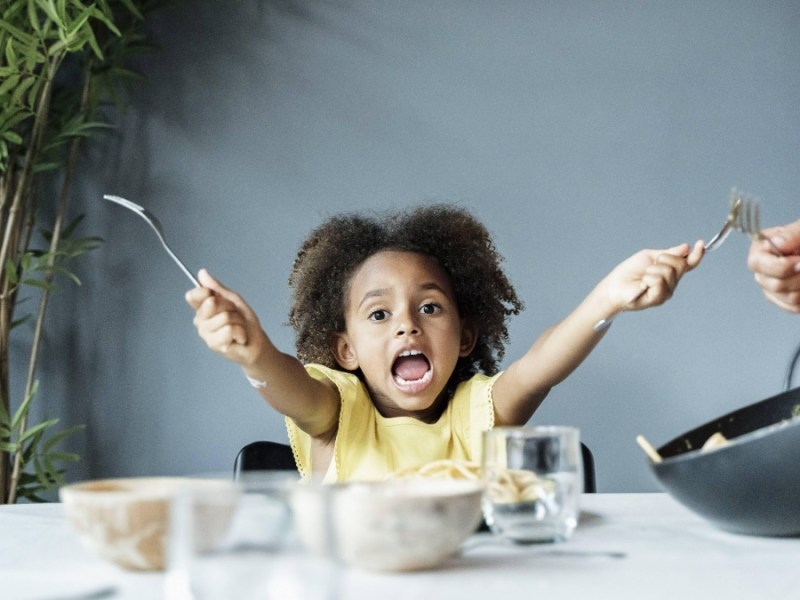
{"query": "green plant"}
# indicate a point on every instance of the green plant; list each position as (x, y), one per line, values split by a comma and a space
(63, 64)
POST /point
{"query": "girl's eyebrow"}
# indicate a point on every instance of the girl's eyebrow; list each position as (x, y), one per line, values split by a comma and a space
(432, 286)
(373, 294)
(376, 293)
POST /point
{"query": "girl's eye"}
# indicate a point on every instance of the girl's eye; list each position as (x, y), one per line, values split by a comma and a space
(430, 309)
(378, 315)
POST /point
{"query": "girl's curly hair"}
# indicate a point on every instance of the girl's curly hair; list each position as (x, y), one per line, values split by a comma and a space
(462, 245)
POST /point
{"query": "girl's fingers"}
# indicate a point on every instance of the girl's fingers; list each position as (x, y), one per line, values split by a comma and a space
(696, 255)
(196, 296)
(224, 293)
(226, 339)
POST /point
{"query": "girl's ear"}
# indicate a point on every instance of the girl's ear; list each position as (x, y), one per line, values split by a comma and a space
(343, 352)
(469, 337)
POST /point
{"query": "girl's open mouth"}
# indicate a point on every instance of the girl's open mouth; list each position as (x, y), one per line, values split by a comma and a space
(412, 371)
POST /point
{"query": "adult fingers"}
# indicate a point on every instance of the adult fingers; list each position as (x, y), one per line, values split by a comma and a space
(786, 237)
(788, 301)
(760, 259)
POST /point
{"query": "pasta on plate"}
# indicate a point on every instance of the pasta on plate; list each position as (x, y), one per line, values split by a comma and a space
(504, 486)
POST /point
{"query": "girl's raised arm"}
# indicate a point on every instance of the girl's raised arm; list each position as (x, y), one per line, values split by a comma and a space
(230, 328)
(646, 279)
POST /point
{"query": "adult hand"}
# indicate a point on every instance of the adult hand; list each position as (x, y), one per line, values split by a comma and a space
(778, 276)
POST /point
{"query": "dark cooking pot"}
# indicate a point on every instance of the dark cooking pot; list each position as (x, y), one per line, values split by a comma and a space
(751, 484)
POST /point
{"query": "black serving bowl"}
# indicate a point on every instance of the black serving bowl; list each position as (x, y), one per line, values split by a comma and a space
(750, 485)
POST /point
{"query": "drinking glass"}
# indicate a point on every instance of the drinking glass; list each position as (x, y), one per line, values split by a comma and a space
(258, 555)
(534, 479)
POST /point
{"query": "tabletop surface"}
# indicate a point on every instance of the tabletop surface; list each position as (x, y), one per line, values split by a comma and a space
(642, 546)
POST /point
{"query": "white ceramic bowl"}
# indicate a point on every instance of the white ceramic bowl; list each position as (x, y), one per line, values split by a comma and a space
(127, 520)
(396, 525)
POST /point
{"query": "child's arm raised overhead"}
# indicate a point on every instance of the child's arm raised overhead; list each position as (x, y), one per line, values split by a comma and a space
(646, 279)
(230, 327)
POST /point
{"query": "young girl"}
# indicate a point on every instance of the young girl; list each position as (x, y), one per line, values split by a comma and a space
(401, 324)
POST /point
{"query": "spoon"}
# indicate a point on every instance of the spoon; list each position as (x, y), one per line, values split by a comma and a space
(156, 225)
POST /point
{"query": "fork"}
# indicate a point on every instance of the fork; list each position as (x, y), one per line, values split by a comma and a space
(733, 221)
(734, 216)
(749, 220)
(156, 225)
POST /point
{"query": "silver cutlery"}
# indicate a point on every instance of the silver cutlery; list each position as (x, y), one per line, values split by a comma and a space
(749, 220)
(156, 225)
(734, 215)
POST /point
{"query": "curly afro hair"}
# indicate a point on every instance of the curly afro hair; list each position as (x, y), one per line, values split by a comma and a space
(455, 238)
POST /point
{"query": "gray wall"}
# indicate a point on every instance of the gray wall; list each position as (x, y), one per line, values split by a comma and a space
(579, 132)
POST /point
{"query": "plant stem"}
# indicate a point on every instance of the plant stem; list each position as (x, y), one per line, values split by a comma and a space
(15, 222)
(61, 212)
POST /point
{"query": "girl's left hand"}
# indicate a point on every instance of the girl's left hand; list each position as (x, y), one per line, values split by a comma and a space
(649, 277)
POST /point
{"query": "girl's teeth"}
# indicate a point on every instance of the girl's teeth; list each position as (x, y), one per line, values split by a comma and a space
(424, 379)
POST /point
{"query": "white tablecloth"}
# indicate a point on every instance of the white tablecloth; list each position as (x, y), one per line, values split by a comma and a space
(637, 546)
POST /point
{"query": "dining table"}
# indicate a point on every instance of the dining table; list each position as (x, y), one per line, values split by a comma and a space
(638, 546)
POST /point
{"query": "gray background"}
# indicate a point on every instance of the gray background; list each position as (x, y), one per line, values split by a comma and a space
(579, 132)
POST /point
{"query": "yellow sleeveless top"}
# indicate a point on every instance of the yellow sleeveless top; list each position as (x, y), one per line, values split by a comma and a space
(370, 446)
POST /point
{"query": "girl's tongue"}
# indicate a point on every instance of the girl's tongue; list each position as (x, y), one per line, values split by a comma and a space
(411, 368)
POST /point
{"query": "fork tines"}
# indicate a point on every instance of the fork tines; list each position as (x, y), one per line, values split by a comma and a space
(748, 219)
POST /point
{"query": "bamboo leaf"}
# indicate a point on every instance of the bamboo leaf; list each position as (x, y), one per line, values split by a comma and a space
(133, 9)
(11, 272)
(13, 117)
(59, 437)
(103, 17)
(61, 9)
(57, 48)
(38, 283)
(19, 35)
(64, 456)
(42, 167)
(79, 21)
(41, 473)
(92, 40)
(57, 269)
(5, 418)
(36, 429)
(24, 86)
(72, 226)
(17, 322)
(49, 9)
(33, 16)
(33, 57)
(12, 137)
(9, 84)
(23, 408)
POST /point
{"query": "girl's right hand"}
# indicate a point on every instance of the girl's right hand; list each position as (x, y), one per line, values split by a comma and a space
(225, 322)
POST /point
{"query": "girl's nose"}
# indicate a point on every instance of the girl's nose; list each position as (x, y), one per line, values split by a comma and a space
(408, 325)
